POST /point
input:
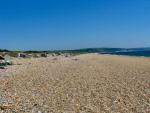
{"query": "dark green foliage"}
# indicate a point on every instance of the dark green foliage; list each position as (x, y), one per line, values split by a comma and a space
(4, 50)
(30, 52)
(43, 55)
(5, 64)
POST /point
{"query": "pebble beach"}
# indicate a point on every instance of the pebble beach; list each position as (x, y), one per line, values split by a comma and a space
(89, 83)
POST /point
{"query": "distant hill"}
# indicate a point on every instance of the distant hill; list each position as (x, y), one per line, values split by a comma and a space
(102, 50)
(4, 50)
(86, 50)
(117, 51)
(90, 50)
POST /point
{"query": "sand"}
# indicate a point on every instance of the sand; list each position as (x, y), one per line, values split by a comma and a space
(89, 83)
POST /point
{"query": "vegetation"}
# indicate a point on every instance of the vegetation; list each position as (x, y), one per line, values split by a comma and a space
(5, 63)
(4, 50)
(73, 52)
(43, 55)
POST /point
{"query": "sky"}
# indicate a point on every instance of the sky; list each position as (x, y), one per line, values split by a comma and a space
(73, 24)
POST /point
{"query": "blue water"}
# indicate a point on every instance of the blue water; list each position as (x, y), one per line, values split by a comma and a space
(133, 53)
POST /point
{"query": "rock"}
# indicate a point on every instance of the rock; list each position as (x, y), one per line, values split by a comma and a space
(22, 55)
(5, 106)
(2, 67)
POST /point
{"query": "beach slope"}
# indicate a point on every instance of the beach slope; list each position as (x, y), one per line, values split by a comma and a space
(89, 83)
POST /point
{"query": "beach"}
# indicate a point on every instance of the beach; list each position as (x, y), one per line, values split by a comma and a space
(88, 83)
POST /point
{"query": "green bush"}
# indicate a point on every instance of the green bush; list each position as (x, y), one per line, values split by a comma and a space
(43, 55)
(3, 64)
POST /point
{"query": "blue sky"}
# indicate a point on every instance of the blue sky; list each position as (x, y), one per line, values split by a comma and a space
(71, 24)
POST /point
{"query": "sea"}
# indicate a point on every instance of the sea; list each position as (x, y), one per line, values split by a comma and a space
(133, 53)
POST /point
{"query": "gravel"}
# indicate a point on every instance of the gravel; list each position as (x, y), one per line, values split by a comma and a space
(91, 84)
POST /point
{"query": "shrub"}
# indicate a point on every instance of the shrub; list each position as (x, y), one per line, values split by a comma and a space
(43, 55)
